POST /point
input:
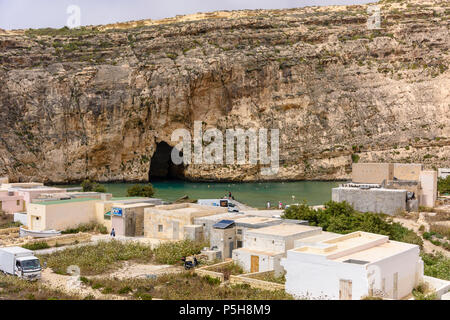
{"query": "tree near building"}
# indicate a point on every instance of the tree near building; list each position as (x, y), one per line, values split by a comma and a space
(88, 186)
(141, 191)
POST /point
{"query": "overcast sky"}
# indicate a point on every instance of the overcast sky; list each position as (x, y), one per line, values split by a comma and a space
(22, 14)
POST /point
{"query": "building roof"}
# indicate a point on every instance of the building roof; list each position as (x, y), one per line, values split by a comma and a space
(133, 205)
(317, 238)
(46, 203)
(283, 230)
(267, 253)
(378, 252)
(357, 246)
(224, 224)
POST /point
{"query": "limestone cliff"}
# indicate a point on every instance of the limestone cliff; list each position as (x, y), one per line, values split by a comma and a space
(95, 102)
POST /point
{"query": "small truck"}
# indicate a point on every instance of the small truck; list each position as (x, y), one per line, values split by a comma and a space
(20, 262)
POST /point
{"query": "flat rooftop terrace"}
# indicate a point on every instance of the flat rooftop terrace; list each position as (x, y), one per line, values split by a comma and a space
(52, 202)
(378, 252)
(284, 229)
(357, 246)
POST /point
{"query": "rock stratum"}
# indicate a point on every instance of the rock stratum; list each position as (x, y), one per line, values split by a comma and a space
(95, 102)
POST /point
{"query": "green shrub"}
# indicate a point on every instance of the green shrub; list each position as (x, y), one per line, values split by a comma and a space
(36, 246)
(172, 252)
(211, 280)
(340, 217)
(444, 185)
(88, 186)
(141, 191)
(125, 290)
(436, 265)
(97, 258)
(87, 227)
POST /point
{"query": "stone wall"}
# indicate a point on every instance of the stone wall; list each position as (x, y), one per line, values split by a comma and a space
(386, 201)
(249, 279)
(206, 271)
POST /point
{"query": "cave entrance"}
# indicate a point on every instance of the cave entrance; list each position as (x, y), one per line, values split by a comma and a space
(161, 165)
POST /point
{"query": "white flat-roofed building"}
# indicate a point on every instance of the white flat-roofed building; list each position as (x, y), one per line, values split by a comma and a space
(263, 248)
(352, 266)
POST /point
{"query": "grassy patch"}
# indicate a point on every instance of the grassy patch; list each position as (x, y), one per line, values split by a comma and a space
(185, 286)
(87, 227)
(228, 269)
(36, 246)
(270, 277)
(13, 288)
(436, 265)
(99, 258)
(172, 252)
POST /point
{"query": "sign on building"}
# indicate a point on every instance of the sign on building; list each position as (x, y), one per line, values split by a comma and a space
(117, 212)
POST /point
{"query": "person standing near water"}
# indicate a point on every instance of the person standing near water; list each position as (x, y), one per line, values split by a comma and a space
(268, 204)
(280, 205)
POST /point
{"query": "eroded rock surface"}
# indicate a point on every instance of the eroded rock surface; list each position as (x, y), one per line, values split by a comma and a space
(94, 103)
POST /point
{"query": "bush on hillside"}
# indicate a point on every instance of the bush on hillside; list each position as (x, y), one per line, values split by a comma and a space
(88, 186)
(141, 191)
(444, 185)
(340, 217)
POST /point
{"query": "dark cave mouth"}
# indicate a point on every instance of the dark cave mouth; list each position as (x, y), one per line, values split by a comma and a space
(162, 167)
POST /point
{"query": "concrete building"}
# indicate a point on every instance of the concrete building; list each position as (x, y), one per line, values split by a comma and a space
(223, 238)
(128, 219)
(70, 213)
(428, 182)
(372, 172)
(167, 222)
(443, 173)
(368, 190)
(378, 200)
(263, 248)
(15, 197)
(407, 171)
(352, 266)
(60, 214)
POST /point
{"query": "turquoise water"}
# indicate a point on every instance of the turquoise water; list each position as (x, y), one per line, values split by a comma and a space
(255, 194)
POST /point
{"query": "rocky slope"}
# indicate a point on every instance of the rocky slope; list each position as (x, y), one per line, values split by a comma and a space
(95, 102)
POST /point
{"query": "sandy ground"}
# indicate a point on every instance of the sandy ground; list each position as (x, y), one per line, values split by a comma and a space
(66, 284)
(135, 270)
(128, 270)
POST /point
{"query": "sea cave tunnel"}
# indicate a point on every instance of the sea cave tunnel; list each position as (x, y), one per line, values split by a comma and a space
(161, 165)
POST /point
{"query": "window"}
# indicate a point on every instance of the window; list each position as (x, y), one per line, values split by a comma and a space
(18, 202)
(160, 228)
(239, 244)
(239, 231)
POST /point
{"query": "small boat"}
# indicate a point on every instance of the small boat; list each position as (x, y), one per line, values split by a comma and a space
(38, 234)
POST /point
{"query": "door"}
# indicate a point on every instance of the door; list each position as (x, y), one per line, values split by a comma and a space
(254, 266)
(345, 289)
(395, 293)
(130, 227)
(175, 230)
(231, 249)
(36, 223)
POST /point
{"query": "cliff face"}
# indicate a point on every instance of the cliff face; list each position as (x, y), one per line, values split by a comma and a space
(96, 102)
